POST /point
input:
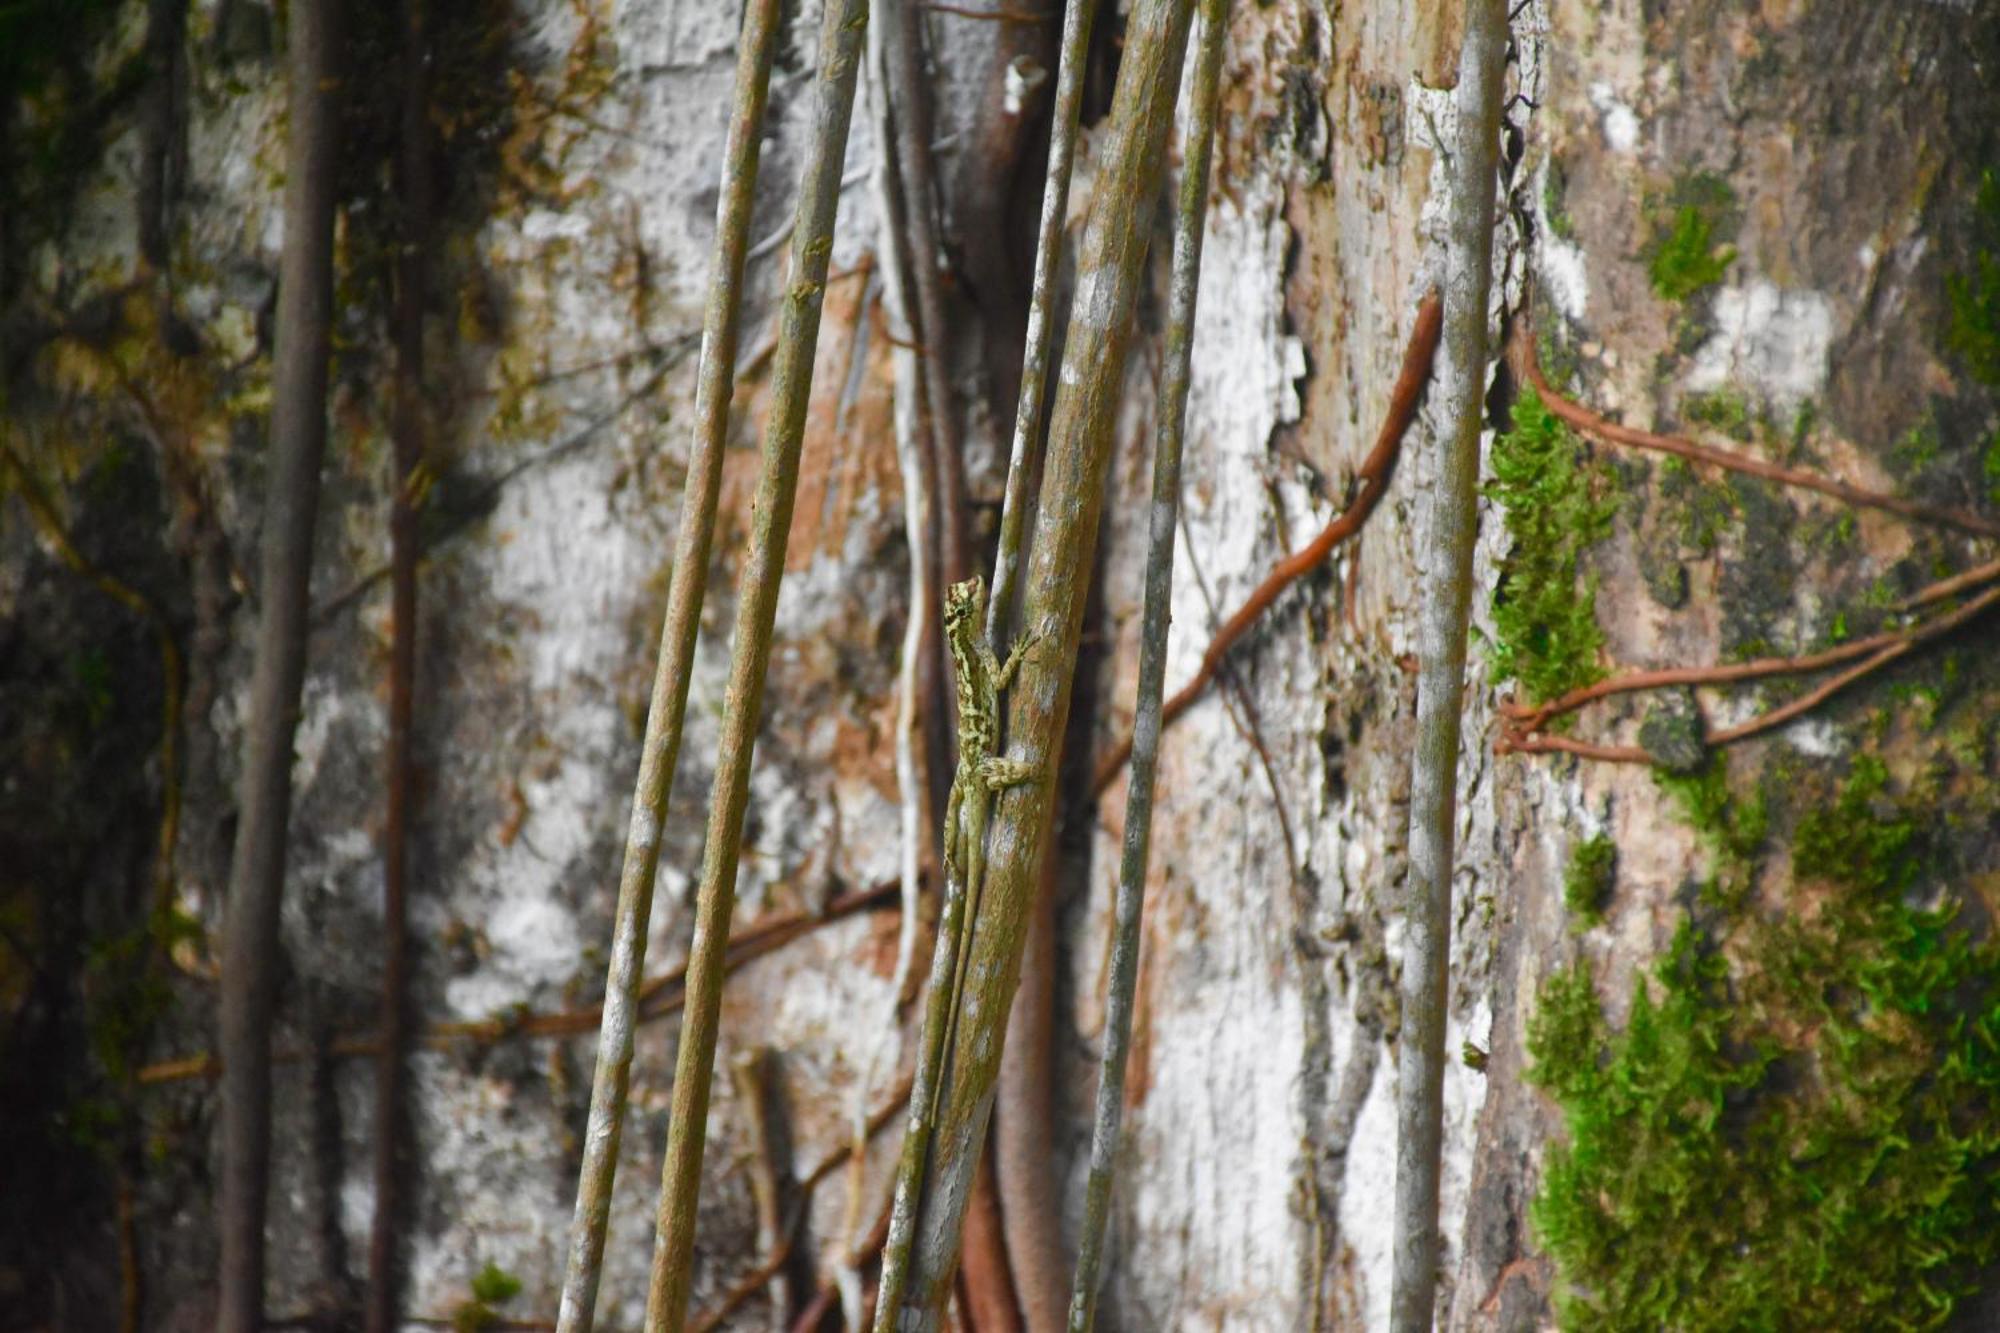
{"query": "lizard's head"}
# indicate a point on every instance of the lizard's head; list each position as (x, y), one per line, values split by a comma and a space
(963, 602)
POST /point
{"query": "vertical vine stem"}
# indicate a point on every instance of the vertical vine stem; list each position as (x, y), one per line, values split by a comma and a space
(909, 105)
(898, 1246)
(660, 750)
(840, 52)
(291, 510)
(1035, 356)
(1446, 601)
(1169, 433)
(1110, 269)
(412, 262)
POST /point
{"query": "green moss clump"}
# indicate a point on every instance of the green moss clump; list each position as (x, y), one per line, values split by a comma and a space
(1588, 878)
(1808, 1140)
(1851, 844)
(1725, 410)
(491, 1286)
(1972, 326)
(1556, 506)
(1555, 186)
(1732, 829)
(1725, 824)
(1687, 260)
(1698, 512)
(495, 1285)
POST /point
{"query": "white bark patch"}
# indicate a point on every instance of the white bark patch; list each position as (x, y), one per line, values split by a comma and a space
(1559, 263)
(1771, 341)
(1243, 385)
(1619, 122)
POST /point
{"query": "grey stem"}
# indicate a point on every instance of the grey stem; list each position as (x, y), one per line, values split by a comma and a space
(1446, 600)
(715, 380)
(1172, 418)
(291, 509)
(841, 39)
(1110, 269)
(1035, 356)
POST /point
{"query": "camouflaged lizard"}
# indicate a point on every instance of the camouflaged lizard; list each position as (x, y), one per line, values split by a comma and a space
(980, 774)
(980, 677)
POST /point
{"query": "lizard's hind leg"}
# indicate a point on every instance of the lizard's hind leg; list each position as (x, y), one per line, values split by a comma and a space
(996, 773)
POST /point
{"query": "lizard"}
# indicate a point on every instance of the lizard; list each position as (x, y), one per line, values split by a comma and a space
(980, 678)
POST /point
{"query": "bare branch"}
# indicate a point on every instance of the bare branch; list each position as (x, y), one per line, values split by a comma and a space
(1447, 599)
(660, 751)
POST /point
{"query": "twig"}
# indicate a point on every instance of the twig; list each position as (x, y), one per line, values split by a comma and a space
(1071, 58)
(921, 706)
(1524, 720)
(750, 655)
(775, 242)
(910, 112)
(1589, 422)
(774, 1237)
(1199, 141)
(1441, 643)
(298, 442)
(917, 1133)
(660, 751)
(1897, 646)
(1374, 477)
(1951, 587)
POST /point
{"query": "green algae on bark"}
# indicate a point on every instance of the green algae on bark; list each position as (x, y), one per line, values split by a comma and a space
(1556, 505)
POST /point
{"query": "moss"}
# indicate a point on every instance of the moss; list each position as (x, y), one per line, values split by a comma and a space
(1756, 584)
(1588, 878)
(1687, 260)
(1972, 324)
(491, 1286)
(1989, 468)
(495, 1285)
(1850, 843)
(1691, 224)
(1555, 185)
(1699, 512)
(1916, 449)
(1666, 577)
(1805, 1139)
(1731, 829)
(1556, 506)
(1725, 410)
